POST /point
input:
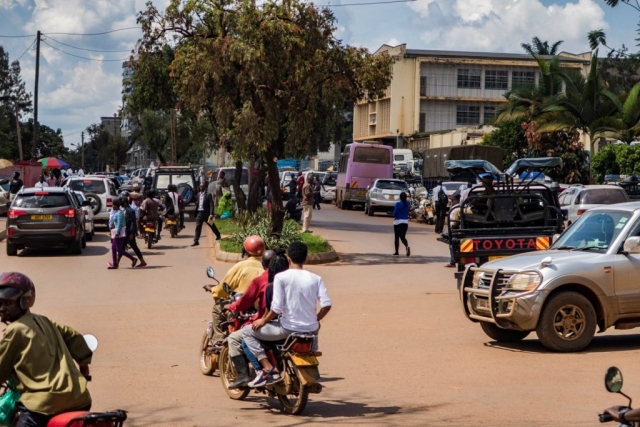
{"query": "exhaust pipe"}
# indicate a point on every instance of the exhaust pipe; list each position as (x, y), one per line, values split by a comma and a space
(315, 388)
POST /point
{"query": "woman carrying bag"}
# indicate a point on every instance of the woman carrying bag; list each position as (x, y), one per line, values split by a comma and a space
(119, 236)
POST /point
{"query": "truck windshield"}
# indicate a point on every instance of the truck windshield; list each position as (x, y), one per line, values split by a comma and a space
(593, 230)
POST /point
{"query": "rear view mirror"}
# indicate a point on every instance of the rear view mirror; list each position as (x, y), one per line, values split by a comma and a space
(632, 245)
(613, 380)
(210, 273)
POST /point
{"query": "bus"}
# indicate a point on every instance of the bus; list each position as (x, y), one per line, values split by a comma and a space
(360, 165)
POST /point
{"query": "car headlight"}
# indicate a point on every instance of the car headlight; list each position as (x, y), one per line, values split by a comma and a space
(524, 281)
(476, 278)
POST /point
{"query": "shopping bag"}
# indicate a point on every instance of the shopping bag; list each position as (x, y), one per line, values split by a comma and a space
(8, 401)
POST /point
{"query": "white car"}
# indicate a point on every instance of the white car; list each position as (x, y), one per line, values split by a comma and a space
(87, 212)
(328, 190)
(383, 195)
(577, 199)
(99, 191)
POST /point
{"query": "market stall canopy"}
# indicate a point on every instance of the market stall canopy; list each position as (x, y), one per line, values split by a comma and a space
(4, 163)
(476, 165)
(52, 162)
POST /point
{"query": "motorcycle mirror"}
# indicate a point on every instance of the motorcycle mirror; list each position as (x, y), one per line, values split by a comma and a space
(210, 273)
(613, 380)
(92, 341)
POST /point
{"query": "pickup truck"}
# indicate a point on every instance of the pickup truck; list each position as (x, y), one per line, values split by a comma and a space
(586, 280)
(504, 216)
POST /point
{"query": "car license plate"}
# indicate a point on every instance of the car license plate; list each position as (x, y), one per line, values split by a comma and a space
(169, 222)
(304, 360)
(392, 197)
(482, 304)
(149, 230)
(41, 217)
(492, 258)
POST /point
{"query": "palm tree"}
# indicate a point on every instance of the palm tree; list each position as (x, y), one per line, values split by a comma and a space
(625, 126)
(538, 47)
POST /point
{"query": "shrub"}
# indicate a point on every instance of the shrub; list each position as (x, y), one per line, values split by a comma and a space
(259, 223)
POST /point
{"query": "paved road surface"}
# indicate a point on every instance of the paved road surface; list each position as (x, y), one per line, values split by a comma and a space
(397, 348)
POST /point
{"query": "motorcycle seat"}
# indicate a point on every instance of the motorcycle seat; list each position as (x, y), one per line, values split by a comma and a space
(85, 418)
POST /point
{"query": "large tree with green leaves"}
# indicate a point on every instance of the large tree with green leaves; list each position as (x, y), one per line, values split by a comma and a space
(539, 47)
(272, 79)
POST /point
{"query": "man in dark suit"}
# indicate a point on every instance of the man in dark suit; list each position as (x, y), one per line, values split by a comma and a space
(204, 214)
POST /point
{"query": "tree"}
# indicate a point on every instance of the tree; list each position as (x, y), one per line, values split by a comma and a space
(271, 79)
(14, 102)
(625, 125)
(538, 47)
(509, 136)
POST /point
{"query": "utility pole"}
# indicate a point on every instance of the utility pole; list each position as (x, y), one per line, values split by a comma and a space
(34, 147)
(173, 137)
(115, 149)
(82, 149)
(15, 105)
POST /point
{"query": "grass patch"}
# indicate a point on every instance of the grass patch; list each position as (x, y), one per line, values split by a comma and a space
(315, 243)
(228, 226)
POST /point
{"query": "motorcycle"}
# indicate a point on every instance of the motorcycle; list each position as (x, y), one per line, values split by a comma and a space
(84, 418)
(171, 222)
(297, 364)
(613, 384)
(210, 354)
(150, 235)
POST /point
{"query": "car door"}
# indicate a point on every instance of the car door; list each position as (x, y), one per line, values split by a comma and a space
(627, 286)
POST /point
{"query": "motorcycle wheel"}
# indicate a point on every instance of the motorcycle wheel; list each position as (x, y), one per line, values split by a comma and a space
(228, 376)
(149, 241)
(208, 362)
(174, 230)
(294, 402)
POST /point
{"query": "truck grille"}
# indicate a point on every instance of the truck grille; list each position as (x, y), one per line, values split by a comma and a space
(485, 281)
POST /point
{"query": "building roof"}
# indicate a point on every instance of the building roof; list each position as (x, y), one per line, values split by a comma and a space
(487, 55)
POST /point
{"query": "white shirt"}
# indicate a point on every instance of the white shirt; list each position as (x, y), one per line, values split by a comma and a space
(434, 194)
(80, 172)
(41, 185)
(69, 172)
(295, 294)
(201, 201)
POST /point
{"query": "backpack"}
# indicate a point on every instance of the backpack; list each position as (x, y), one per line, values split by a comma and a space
(443, 200)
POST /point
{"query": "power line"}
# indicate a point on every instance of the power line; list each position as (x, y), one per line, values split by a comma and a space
(17, 37)
(97, 34)
(26, 50)
(366, 3)
(84, 57)
(89, 50)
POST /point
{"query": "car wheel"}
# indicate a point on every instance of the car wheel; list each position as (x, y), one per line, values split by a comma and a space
(76, 247)
(568, 322)
(502, 335)
(84, 241)
(370, 211)
(12, 250)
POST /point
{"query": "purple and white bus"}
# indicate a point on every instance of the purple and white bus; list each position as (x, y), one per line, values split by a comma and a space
(360, 165)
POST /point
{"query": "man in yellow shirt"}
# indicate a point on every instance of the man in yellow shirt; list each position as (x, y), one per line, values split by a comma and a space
(40, 356)
(238, 278)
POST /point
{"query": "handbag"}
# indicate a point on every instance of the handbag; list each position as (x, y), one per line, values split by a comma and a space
(8, 401)
(114, 234)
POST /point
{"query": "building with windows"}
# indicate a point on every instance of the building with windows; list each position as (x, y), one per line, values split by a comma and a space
(433, 91)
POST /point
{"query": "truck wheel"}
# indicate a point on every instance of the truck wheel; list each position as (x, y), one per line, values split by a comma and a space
(502, 335)
(568, 322)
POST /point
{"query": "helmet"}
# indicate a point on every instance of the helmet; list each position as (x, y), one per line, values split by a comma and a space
(254, 245)
(266, 257)
(14, 285)
(136, 187)
(125, 193)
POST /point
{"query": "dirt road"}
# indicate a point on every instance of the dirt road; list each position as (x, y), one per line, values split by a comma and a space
(397, 348)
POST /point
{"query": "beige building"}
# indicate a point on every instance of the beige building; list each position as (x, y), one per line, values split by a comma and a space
(433, 92)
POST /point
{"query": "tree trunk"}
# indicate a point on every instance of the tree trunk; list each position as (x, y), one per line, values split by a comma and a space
(277, 209)
(237, 179)
(255, 181)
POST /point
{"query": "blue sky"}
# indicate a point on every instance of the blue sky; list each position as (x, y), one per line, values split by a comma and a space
(76, 92)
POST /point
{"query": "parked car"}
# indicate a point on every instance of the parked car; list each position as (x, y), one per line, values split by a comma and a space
(182, 177)
(87, 213)
(229, 174)
(328, 190)
(45, 218)
(99, 191)
(285, 179)
(4, 196)
(577, 199)
(383, 194)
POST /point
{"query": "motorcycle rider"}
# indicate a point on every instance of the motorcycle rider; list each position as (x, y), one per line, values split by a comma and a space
(252, 296)
(151, 207)
(39, 355)
(622, 414)
(175, 207)
(238, 279)
(295, 293)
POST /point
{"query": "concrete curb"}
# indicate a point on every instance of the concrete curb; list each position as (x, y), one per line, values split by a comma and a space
(314, 259)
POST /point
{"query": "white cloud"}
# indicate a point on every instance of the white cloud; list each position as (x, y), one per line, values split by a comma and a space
(501, 25)
(10, 4)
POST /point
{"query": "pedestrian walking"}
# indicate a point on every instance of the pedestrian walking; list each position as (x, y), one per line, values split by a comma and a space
(401, 223)
(440, 201)
(317, 186)
(118, 237)
(300, 183)
(131, 223)
(204, 214)
(15, 185)
(307, 204)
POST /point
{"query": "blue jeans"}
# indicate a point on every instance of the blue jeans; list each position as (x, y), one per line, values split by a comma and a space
(252, 359)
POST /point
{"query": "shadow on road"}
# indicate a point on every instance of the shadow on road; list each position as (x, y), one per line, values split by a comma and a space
(64, 252)
(601, 344)
(378, 259)
(350, 226)
(164, 247)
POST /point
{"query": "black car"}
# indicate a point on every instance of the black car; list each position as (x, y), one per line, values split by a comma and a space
(45, 218)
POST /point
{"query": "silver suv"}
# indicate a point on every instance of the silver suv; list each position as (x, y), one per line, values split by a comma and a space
(577, 199)
(586, 280)
(383, 195)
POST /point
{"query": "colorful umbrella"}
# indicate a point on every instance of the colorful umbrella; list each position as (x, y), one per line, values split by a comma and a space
(52, 162)
(4, 163)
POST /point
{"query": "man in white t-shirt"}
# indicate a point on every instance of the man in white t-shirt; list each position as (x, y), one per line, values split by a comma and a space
(41, 184)
(295, 294)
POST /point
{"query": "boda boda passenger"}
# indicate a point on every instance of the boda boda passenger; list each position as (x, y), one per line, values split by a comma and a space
(40, 356)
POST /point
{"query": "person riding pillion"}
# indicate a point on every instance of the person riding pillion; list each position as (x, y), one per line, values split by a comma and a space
(238, 279)
(40, 356)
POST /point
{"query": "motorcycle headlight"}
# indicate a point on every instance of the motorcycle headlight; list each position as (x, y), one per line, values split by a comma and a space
(524, 281)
